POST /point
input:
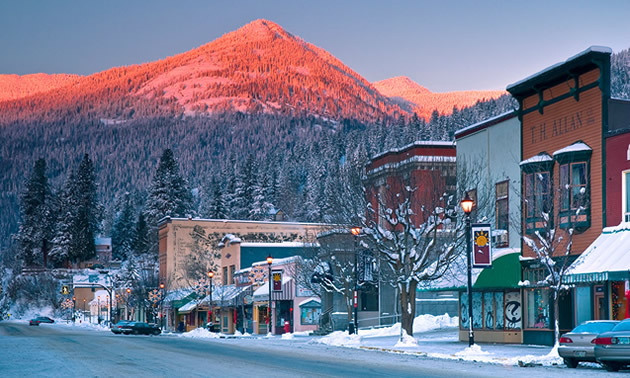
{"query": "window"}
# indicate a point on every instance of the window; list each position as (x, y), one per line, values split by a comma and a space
(310, 313)
(537, 199)
(225, 275)
(573, 186)
(626, 196)
(232, 270)
(538, 311)
(502, 215)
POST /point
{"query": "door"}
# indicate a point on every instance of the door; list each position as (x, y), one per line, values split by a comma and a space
(600, 303)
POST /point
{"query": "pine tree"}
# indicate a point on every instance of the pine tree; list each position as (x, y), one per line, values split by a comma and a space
(141, 231)
(87, 212)
(123, 229)
(65, 209)
(169, 195)
(34, 232)
(217, 209)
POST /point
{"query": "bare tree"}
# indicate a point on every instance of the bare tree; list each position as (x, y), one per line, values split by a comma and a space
(416, 245)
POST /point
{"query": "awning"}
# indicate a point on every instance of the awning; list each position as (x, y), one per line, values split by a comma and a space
(505, 273)
(188, 307)
(287, 293)
(606, 259)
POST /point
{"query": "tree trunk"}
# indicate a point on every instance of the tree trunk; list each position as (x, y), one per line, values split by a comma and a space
(408, 306)
(556, 312)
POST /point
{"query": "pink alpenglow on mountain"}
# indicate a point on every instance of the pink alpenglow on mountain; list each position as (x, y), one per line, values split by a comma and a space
(413, 97)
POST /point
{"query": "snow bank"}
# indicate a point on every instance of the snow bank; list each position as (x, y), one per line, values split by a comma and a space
(406, 342)
(83, 325)
(475, 353)
(422, 323)
(200, 333)
(341, 338)
(287, 336)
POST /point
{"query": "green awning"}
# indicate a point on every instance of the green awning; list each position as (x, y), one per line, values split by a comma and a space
(505, 273)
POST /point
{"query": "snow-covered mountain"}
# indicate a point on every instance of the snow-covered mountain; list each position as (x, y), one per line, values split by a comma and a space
(13, 87)
(413, 97)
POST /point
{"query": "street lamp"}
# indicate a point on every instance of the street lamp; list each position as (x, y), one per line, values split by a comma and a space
(467, 204)
(210, 277)
(356, 231)
(127, 303)
(84, 309)
(162, 297)
(74, 309)
(270, 316)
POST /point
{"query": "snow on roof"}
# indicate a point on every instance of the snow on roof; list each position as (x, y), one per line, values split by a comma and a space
(489, 120)
(609, 253)
(238, 221)
(230, 238)
(280, 245)
(601, 49)
(575, 147)
(262, 293)
(279, 262)
(419, 143)
(540, 158)
(103, 241)
(413, 159)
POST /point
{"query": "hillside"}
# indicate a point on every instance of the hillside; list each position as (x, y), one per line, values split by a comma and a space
(413, 97)
(259, 68)
(13, 87)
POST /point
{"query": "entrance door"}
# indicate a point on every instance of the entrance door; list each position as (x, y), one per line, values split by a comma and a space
(600, 303)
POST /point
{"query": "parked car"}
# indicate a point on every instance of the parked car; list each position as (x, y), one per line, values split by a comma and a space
(117, 328)
(577, 346)
(140, 328)
(612, 349)
(40, 319)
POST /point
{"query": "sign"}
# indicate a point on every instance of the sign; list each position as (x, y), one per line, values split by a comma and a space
(276, 277)
(65, 290)
(248, 299)
(481, 245)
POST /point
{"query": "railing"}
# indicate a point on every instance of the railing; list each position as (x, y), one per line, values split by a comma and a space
(394, 319)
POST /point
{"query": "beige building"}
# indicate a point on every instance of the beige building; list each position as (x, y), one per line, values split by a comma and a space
(189, 247)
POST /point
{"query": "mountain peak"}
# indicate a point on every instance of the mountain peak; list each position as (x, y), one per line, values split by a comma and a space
(260, 30)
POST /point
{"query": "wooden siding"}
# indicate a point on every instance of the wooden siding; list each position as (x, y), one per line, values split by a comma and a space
(562, 124)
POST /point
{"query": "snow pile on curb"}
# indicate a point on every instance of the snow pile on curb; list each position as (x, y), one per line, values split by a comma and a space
(406, 342)
(422, 323)
(287, 336)
(475, 353)
(84, 325)
(341, 338)
(200, 333)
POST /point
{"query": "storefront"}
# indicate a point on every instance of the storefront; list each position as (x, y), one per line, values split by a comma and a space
(496, 302)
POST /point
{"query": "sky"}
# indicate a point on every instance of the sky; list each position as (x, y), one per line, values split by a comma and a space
(442, 45)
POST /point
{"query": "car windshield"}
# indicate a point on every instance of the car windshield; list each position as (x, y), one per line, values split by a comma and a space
(623, 326)
(598, 327)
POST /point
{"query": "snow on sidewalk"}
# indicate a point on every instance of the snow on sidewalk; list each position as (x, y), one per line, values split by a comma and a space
(437, 337)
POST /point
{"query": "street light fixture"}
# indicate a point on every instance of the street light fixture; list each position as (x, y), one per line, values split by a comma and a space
(269, 281)
(467, 205)
(74, 309)
(355, 232)
(210, 277)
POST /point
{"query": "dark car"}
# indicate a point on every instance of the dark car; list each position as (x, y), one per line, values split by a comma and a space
(117, 328)
(40, 319)
(140, 328)
(612, 349)
(577, 345)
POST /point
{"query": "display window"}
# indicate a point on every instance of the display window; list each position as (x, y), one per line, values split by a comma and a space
(538, 310)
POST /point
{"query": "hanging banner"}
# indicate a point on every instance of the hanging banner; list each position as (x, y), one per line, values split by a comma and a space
(481, 245)
(276, 276)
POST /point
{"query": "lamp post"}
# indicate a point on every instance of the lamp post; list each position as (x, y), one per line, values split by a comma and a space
(98, 306)
(162, 297)
(269, 280)
(210, 277)
(83, 308)
(74, 309)
(467, 205)
(127, 304)
(355, 232)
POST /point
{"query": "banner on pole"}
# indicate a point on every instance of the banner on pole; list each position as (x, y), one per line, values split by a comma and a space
(482, 246)
(277, 280)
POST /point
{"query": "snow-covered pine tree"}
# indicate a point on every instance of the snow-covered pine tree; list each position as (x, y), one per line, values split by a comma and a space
(140, 241)
(65, 209)
(123, 229)
(87, 214)
(35, 229)
(169, 195)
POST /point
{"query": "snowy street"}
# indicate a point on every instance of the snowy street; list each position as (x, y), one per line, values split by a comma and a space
(59, 349)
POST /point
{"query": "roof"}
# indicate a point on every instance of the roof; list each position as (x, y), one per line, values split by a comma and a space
(606, 259)
(575, 147)
(560, 71)
(262, 293)
(484, 124)
(420, 143)
(209, 220)
(103, 241)
(540, 158)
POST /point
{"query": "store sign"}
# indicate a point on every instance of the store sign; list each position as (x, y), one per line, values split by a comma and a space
(481, 245)
(276, 276)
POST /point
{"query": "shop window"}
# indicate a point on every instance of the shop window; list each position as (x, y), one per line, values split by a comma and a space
(574, 195)
(310, 313)
(538, 310)
(488, 310)
(499, 311)
(513, 310)
(502, 215)
(537, 199)
(618, 299)
(369, 300)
